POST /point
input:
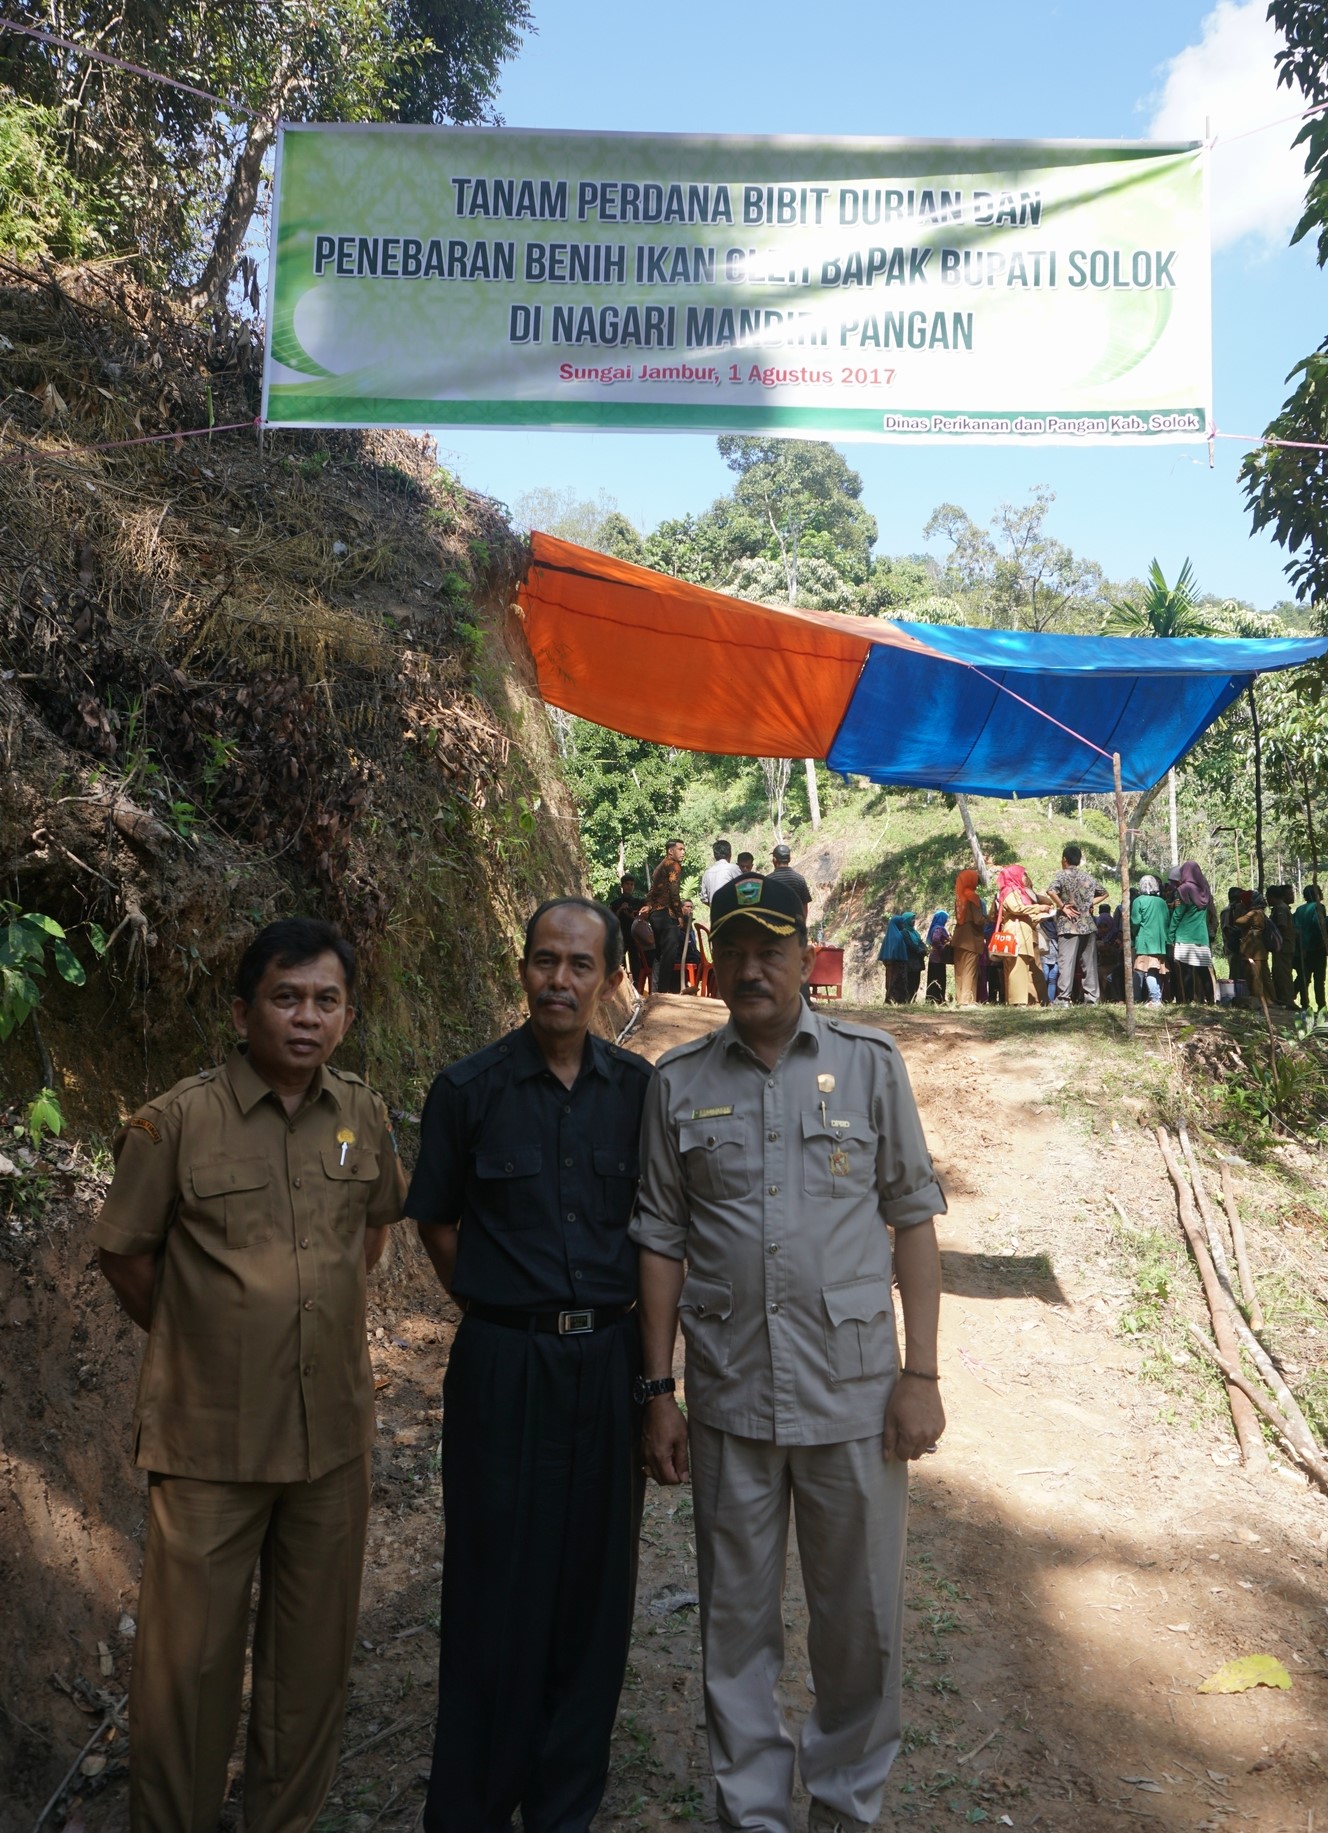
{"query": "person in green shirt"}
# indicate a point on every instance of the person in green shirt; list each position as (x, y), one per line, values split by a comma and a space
(1148, 926)
(1191, 929)
(1311, 947)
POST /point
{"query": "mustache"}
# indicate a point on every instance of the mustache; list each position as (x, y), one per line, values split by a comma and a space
(748, 986)
(556, 999)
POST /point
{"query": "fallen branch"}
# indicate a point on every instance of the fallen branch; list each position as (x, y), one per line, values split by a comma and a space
(1306, 1454)
(970, 1754)
(380, 1737)
(1252, 1449)
(111, 1718)
(1247, 1286)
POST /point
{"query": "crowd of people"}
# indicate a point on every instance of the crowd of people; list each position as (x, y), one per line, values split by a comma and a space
(1064, 944)
(662, 931)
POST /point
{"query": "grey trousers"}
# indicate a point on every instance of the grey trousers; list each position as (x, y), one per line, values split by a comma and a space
(851, 1511)
(1084, 950)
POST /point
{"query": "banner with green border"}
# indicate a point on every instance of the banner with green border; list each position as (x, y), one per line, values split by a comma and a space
(910, 291)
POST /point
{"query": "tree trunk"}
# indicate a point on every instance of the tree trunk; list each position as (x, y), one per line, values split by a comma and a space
(813, 794)
(961, 803)
(1258, 789)
(1134, 818)
(1171, 798)
(1127, 933)
(209, 294)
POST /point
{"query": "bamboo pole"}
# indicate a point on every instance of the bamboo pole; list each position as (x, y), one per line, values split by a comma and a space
(1248, 1290)
(1252, 1449)
(1309, 1455)
(1127, 932)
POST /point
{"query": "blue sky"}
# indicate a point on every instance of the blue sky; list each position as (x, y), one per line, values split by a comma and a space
(1029, 69)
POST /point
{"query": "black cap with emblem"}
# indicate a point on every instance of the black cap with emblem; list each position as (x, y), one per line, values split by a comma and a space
(771, 902)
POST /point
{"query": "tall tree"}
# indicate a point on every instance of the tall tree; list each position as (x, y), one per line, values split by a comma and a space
(1287, 485)
(1018, 577)
(1162, 610)
(178, 179)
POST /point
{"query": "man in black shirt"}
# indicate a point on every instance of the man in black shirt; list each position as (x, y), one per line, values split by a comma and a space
(781, 869)
(524, 1188)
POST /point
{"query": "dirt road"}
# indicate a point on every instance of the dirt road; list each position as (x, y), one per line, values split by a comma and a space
(1083, 1551)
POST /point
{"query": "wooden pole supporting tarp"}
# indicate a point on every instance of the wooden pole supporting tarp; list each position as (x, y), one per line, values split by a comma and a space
(1127, 934)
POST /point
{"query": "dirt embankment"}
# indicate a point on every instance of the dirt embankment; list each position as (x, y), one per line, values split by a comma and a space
(237, 680)
(1084, 1549)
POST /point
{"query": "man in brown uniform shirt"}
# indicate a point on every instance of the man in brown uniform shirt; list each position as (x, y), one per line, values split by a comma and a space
(247, 1207)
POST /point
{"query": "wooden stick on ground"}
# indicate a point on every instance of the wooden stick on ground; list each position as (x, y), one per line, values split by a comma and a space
(1247, 1286)
(1313, 1460)
(1252, 1449)
(1216, 1246)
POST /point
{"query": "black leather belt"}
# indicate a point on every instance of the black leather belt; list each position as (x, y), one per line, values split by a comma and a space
(576, 1322)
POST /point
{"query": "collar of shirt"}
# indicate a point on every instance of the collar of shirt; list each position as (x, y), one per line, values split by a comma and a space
(528, 1058)
(806, 1036)
(249, 1087)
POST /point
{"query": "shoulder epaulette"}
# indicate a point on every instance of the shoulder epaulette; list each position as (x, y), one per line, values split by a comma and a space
(872, 1033)
(458, 1074)
(688, 1049)
(345, 1075)
(186, 1086)
(619, 1055)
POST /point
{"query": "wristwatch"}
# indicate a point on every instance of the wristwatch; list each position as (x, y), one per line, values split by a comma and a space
(643, 1390)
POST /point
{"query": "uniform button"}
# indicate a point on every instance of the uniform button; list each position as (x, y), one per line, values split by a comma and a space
(568, 1162)
(355, 1170)
(571, 1215)
(567, 1110)
(576, 1275)
(308, 1304)
(771, 1082)
(772, 1135)
(289, 1129)
(773, 1248)
(297, 1183)
(773, 1190)
(308, 1368)
(774, 1307)
(710, 1139)
(304, 1240)
(622, 1164)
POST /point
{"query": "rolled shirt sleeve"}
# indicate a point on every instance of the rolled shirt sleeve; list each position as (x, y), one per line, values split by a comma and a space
(906, 1181)
(141, 1202)
(661, 1218)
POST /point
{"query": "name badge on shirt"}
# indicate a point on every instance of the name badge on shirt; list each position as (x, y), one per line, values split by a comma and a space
(710, 1113)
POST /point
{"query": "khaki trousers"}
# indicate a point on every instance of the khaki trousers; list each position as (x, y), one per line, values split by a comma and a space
(204, 1540)
(851, 1509)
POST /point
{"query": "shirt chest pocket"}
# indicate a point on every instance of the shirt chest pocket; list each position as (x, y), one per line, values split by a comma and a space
(236, 1195)
(838, 1155)
(616, 1173)
(507, 1184)
(350, 1176)
(859, 1328)
(716, 1158)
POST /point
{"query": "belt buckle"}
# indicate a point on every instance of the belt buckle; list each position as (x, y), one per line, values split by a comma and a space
(575, 1323)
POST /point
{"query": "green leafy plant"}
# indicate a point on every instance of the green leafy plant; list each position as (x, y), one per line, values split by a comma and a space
(24, 942)
(44, 1116)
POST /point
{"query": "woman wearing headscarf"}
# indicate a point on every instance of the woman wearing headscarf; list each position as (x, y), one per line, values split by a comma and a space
(1018, 914)
(1253, 928)
(938, 943)
(902, 951)
(1192, 926)
(967, 937)
(1282, 940)
(1148, 926)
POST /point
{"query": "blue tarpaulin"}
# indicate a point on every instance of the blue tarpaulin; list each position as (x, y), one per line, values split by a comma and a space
(942, 721)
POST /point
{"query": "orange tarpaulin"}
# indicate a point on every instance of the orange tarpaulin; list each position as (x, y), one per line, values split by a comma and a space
(679, 665)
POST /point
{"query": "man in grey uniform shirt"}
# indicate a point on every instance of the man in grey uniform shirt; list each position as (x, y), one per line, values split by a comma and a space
(779, 1153)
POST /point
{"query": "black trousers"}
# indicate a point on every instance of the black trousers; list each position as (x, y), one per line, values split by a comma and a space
(542, 1494)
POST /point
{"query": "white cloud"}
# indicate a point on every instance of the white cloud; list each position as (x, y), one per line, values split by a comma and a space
(1228, 80)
